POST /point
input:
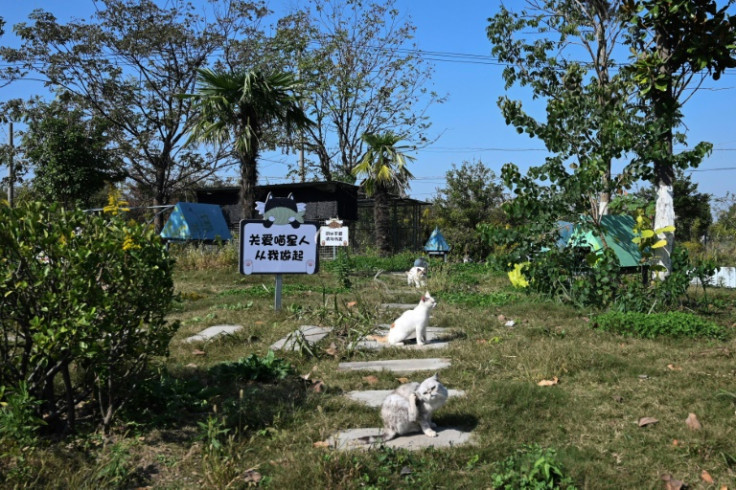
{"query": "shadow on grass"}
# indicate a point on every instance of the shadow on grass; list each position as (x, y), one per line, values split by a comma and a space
(245, 395)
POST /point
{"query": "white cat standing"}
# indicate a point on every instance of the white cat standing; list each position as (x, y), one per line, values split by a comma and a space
(409, 408)
(417, 276)
(413, 323)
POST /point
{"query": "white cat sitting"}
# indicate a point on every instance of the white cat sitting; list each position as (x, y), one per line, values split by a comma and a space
(409, 408)
(417, 276)
(412, 323)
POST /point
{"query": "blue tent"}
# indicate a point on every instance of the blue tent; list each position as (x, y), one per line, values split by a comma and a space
(194, 221)
(436, 245)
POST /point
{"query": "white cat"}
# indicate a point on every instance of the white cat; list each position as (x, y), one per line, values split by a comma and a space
(413, 322)
(409, 408)
(417, 276)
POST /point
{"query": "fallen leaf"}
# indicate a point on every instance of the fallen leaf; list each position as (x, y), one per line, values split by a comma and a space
(692, 422)
(332, 350)
(676, 443)
(501, 318)
(317, 386)
(321, 444)
(402, 380)
(370, 379)
(671, 484)
(406, 470)
(549, 382)
(252, 475)
(191, 365)
(586, 319)
(509, 323)
(644, 421)
(351, 304)
(197, 352)
(481, 341)
(672, 367)
(643, 376)
(618, 398)
(259, 322)
(305, 377)
(705, 476)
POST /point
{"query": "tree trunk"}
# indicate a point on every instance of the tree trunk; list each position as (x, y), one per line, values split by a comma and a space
(381, 218)
(665, 216)
(248, 180)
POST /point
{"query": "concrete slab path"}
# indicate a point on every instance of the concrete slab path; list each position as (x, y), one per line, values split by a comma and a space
(397, 366)
(374, 398)
(363, 439)
(399, 306)
(311, 334)
(212, 332)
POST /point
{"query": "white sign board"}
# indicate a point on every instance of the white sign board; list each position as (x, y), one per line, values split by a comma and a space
(278, 249)
(333, 237)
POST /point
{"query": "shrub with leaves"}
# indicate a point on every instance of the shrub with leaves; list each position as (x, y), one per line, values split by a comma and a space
(83, 300)
(669, 324)
(531, 467)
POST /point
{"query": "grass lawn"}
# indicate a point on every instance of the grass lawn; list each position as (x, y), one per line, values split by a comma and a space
(218, 416)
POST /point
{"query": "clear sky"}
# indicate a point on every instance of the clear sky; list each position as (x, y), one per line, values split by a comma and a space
(469, 122)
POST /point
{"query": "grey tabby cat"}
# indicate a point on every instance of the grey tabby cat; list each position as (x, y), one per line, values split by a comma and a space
(409, 408)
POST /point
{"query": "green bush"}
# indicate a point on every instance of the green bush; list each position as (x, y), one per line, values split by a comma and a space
(83, 298)
(531, 468)
(669, 324)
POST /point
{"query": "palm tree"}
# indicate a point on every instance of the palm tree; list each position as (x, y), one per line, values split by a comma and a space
(383, 169)
(240, 108)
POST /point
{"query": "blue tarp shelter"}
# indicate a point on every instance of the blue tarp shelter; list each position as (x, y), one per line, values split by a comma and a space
(195, 221)
(436, 245)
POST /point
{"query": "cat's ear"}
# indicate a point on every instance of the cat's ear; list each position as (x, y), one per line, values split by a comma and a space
(436, 377)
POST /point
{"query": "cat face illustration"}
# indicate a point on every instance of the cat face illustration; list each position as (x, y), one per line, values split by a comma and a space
(281, 210)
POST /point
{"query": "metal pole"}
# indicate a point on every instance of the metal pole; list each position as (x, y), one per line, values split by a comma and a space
(277, 293)
(11, 171)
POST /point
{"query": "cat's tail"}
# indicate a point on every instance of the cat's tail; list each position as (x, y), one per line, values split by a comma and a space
(378, 338)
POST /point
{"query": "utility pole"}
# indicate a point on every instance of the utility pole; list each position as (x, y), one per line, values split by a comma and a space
(11, 170)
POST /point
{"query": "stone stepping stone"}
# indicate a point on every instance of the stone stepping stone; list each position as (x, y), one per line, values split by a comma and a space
(311, 334)
(212, 332)
(397, 366)
(374, 398)
(399, 306)
(431, 344)
(433, 340)
(364, 439)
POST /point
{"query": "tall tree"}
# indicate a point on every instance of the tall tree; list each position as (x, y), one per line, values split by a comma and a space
(240, 108)
(472, 195)
(127, 65)
(362, 76)
(384, 172)
(587, 114)
(70, 155)
(674, 43)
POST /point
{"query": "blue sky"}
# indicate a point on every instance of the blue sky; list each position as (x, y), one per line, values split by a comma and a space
(469, 122)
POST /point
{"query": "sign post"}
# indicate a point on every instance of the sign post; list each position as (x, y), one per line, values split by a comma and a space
(281, 244)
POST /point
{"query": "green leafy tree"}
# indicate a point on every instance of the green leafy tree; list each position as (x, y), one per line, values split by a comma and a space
(240, 108)
(127, 64)
(70, 155)
(588, 120)
(674, 42)
(361, 76)
(472, 195)
(383, 171)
